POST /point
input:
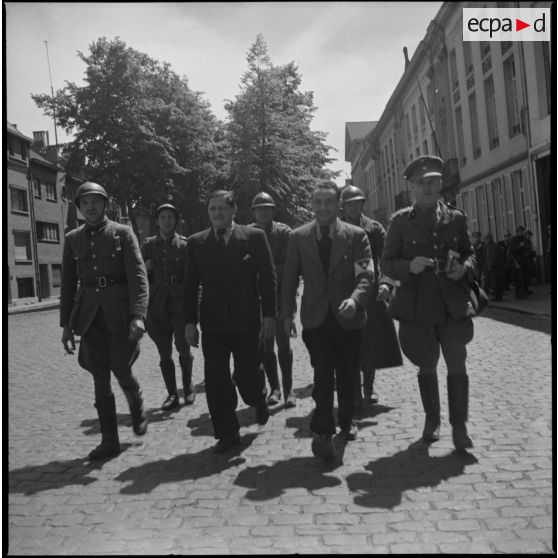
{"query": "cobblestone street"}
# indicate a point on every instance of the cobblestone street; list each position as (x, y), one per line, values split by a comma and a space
(387, 493)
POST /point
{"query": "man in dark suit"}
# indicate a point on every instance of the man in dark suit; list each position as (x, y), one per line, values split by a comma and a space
(103, 298)
(335, 262)
(233, 265)
(428, 250)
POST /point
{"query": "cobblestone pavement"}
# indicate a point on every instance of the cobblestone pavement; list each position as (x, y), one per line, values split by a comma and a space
(386, 493)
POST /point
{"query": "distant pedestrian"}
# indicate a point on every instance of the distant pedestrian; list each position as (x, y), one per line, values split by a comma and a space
(165, 260)
(103, 298)
(519, 250)
(494, 262)
(478, 248)
(334, 260)
(530, 261)
(277, 234)
(428, 250)
(233, 266)
(508, 260)
(380, 347)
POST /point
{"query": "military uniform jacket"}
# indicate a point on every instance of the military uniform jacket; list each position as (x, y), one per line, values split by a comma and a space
(233, 280)
(278, 238)
(166, 279)
(93, 257)
(350, 251)
(427, 297)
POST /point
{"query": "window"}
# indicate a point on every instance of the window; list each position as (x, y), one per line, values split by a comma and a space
(453, 70)
(414, 117)
(18, 198)
(408, 127)
(50, 189)
(460, 140)
(490, 99)
(474, 125)
(36, 187)
(11, 143)
(433, 143)
(56, 275)
(392, 155)
(543, 72)
(22, 246)
(484, 48)
(24, 151)
(468, 57)
(48, 232)
(417, 151)
(421, 113)
(512, 103)
(425, 147)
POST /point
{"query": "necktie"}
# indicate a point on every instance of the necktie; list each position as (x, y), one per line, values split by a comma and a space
(324, 248)
(221, 238)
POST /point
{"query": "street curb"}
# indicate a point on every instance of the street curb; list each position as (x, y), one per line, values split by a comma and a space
(519, 311)
(26, 310)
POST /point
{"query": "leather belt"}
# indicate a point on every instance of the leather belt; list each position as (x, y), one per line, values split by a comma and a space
(440, 265)
(102, 281)
(170, 280)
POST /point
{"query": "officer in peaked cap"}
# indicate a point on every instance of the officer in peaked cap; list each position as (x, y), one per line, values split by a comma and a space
(263, 207)
(103, 298)
(428, 250)
(165, 258)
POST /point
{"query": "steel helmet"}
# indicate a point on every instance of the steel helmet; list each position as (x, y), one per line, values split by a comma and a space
(352, 193)
(262, 200)
(167, 206)
(90, 188)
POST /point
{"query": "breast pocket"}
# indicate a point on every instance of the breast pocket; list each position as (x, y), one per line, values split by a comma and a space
(415, 247)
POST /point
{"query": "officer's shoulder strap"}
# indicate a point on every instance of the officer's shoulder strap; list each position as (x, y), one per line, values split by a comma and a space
(404, 212)
(455, 208)
(182, 237)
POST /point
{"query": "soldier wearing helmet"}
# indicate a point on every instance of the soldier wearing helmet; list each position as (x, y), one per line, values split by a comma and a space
(165, 259)
(379, 347)
(277, 234)
(428, 250)
(103, 299)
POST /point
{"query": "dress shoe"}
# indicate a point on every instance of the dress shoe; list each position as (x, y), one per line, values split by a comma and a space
(189, 398)
(349, 433)
(171, 402)
(373, 399)
(290, 401)
(322, 446)
(262, 412)
(274, 397)
(225, 444)
(105, 450)
(460, 438)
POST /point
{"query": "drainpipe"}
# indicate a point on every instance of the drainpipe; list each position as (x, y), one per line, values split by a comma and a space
(34, 232)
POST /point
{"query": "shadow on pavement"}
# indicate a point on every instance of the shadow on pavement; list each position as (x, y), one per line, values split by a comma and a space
(304, 392)
(539, 323)
(302, 425)
(205, 463)
(155, 415)
(409, 469)
(270, 481)
(370, 411)
(56, 474)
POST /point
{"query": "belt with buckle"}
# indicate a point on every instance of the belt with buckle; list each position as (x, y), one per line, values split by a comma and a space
(439, 265)
(102, 281)
(170, 280)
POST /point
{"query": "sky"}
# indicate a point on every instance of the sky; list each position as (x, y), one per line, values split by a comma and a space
(349, 54)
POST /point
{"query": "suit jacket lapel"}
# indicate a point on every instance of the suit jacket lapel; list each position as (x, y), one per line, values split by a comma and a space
(311, 247)
(338, 246)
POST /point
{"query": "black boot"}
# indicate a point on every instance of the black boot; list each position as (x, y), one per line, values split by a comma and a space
(286, 365)
(137, 411)
(110, 444)
(370, 396)
(186, 364)
(430, 395)
(169, 376)
(272, 375)
(458, 403)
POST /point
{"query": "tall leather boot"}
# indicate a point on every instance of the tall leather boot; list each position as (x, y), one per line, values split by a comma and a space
(458, 403)
(272, 375)
(286, 365)
(137, 411)
(110, 444)
(430, 395)
(369, 394)
(186, 364)
(169, 377)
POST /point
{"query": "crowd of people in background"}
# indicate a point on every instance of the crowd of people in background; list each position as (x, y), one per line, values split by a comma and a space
(511, 262)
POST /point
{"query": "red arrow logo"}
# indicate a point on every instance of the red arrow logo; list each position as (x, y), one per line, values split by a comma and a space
(519, 25)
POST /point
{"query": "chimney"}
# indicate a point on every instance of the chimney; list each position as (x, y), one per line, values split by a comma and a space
(406, 54)
(40, 140)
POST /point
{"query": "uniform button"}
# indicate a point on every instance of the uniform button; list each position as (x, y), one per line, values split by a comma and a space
(92, 244)
(94, 267)
(97, 290)
(94, 256)
(435, 246)
(434, 234)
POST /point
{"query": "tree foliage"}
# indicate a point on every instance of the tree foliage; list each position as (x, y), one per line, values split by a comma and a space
(272, 147)
(140, 131)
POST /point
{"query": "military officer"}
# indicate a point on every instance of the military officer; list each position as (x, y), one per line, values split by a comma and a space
(103, 299)
(428, 250)
(277, 234)
(379, 348)
(165, 260)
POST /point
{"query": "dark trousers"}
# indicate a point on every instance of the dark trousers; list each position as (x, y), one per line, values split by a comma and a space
(102, 350)
(269, 358)
(422, 343)
(162, 325)
(220, 391)
(334, 355)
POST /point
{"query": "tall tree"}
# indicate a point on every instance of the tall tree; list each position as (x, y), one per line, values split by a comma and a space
(139, 130)
(272, 147)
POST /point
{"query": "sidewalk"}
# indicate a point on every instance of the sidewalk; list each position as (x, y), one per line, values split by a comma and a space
(22, 307)
(539, 303)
